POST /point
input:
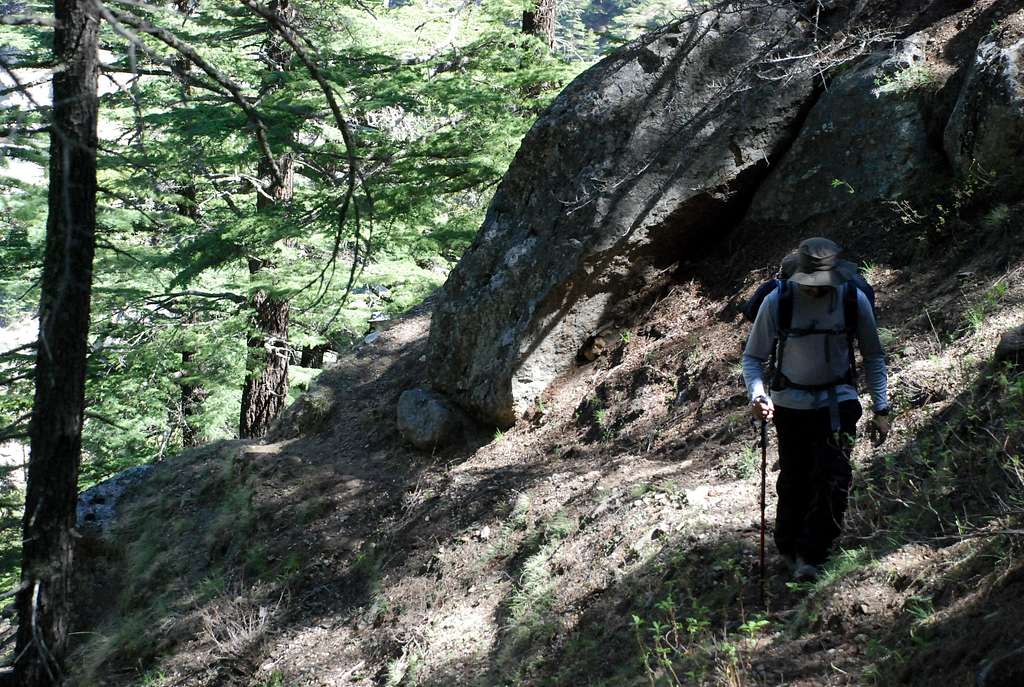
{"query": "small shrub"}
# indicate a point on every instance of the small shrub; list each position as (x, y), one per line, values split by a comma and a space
(916, 77)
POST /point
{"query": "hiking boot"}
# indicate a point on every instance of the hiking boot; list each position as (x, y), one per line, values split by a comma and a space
(804, 571)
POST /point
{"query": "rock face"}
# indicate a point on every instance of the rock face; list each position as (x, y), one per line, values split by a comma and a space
(97, 506)
(865, 142)
(985, 134)
(425, 419)
(643, 159)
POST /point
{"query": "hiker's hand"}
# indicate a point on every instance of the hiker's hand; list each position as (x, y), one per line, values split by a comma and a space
(762, 409)
(881, 424)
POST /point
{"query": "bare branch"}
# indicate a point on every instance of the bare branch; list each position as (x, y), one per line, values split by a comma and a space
(27, 20)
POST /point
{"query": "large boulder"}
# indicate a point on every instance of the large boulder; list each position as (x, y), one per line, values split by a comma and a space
(644, 158)
(864, 144)
(985, 134)
(96, 510)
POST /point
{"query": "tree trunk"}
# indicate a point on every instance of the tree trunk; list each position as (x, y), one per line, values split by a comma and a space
(266, 378)
(192, 396)
(44, 602)
(268, 355)
(540, 22)
(313, 356)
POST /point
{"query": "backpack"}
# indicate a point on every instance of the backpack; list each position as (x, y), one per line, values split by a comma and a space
(750, 308)
(778, 381)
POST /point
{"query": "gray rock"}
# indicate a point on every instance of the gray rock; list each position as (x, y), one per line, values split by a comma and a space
(1011, 346)
(863, 144)
(985, 133)
(97, 505)
(310, 414)
(425, 419)
(1002, 671)
(630, 170)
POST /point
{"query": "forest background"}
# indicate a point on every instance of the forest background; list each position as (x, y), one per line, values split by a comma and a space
(209, 256)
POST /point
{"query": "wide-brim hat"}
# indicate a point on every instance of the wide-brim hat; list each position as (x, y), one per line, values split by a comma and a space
(846, 269)
(819, 260)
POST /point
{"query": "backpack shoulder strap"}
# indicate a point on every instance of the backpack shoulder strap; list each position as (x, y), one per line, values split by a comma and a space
(851, 309)
(785, 306)
(851, 316)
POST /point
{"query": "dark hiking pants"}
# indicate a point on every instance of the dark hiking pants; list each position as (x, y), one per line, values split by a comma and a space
(815, 477)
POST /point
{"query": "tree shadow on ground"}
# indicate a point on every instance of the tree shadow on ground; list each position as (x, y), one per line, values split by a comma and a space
(958, 513)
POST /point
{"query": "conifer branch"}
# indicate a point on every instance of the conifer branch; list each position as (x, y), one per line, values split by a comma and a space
(27, 20)
(117, 18)
(292, 36)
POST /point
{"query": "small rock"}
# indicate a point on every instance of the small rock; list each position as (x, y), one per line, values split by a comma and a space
(485, 533)
(371, 337)
(1003, 671)
(698, 497)
(1011, 346)
(425, 419)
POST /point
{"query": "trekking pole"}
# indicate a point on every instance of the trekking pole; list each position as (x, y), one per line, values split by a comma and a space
(764, 468)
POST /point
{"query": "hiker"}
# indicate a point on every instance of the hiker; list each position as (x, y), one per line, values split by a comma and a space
(787, 268)
(807, 327)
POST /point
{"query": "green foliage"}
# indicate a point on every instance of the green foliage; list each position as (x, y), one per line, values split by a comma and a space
(913, 78)
(678, 646)
(747, 462)
(845, 185)
(438, 96)
(990, 300)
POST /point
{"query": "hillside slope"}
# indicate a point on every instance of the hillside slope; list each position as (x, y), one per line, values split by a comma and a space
(610, 537)
(347, 558)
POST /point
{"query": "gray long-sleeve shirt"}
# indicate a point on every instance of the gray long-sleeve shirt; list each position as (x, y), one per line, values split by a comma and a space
(809, 359)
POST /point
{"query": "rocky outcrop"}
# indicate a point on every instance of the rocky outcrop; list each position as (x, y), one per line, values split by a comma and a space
(97, 505)
(865, 143)
(308, 415)
(645, 157)
(985, 134)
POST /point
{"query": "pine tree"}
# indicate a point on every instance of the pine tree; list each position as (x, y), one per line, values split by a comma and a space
(44, 599)
(540, 22)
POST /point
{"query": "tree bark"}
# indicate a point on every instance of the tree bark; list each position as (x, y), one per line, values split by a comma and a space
(192, 396)
(44, 602)
(540, 22)
(266, 378)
